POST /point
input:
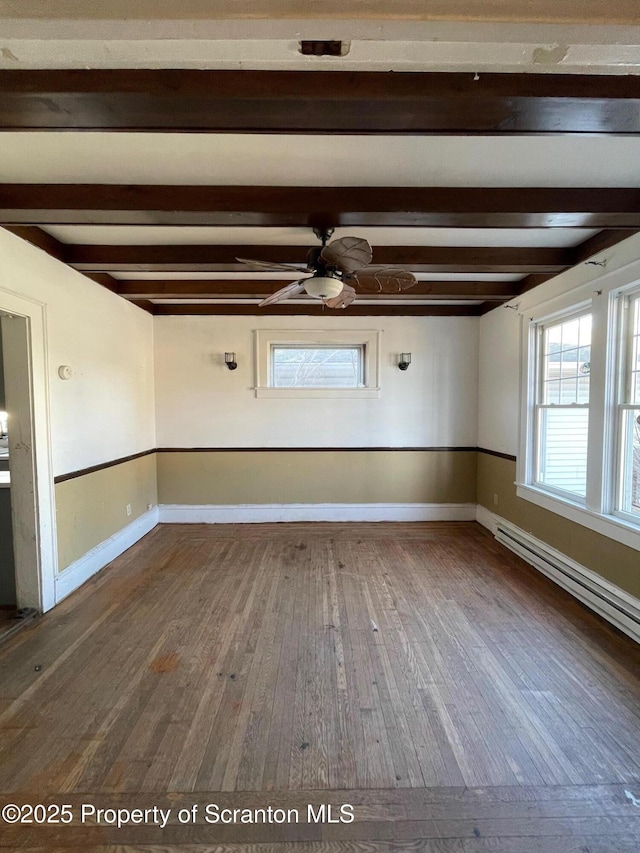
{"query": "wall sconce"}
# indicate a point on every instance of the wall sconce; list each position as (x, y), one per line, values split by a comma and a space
(404, 360)
(230, 360)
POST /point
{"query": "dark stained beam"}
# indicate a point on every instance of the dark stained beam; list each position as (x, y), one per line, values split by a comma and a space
(443, 207)
(581, 254)
(316, 310)
(41, 239)
(531, 281)
(183, 258)
(58, 250)
(243, 289)
(145, 304)
(104, 279)
(318, 102)
(600, 242)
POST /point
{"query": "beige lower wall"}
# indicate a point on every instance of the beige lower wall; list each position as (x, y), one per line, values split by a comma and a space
(92, 507)
(614, 561)
(312, 476)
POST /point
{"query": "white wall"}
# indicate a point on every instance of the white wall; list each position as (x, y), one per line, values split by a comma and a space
(106, 410)
(199, 403)
(499, 377)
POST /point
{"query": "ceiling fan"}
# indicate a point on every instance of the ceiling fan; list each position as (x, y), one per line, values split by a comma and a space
(338, 268)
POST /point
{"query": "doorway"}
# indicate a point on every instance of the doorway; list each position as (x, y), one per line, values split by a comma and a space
(8, 600)
(27, 528)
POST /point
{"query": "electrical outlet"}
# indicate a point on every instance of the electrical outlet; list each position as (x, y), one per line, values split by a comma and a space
(495, 500)
(149, 506)
(128, 509)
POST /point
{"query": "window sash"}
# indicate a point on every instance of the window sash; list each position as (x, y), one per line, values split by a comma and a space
(358, 349)
(627, 336)
(536, 445)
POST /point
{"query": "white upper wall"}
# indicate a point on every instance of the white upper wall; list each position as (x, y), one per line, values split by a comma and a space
(199, 403)
(106, 410)
(499, 378)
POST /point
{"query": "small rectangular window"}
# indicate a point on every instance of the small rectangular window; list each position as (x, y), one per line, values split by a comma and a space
(317, 366)
(561, 407)
(629, 410)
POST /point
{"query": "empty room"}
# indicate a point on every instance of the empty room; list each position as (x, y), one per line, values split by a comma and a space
(320, 427)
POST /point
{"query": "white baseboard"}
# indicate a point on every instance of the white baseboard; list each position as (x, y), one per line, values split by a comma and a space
(77, 573)
(262, 513)
(487, 518)
(618, 607)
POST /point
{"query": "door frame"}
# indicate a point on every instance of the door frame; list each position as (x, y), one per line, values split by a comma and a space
(36, 558)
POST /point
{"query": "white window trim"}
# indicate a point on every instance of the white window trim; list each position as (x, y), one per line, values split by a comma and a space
(537, 330)
(368, 339)
(621, 359)
(598, 514)
(608, 525)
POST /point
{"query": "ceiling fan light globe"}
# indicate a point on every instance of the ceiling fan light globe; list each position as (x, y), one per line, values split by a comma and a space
(323, 287)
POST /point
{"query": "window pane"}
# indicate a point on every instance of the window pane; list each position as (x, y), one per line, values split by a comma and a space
(567, 356)
(569, 363)
(568, 391)
(570, 333)
(631, 461)
(316, 367)
(552, 392)
(553, 337)
(634, 366)
(583, 389)
(563, 437)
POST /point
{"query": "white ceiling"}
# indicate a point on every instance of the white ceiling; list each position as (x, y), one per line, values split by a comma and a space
(205, 236)
(278, 276)
(290, 160)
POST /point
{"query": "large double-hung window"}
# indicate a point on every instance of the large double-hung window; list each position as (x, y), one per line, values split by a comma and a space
(580, 427)
(562, 405)
(628, 485)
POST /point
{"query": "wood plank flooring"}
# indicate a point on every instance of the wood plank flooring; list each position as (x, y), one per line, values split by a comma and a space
(460, 700)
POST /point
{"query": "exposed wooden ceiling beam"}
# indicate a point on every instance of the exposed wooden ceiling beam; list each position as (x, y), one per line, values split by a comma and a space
(145, 304)
(224, 258)
(598, 243)
(314, 309)
(318, 102)
(323, 207)
(58, 250)
(104, 279)
(216, 289)
(41, 239)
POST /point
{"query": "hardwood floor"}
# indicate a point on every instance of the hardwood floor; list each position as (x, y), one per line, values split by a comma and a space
(460, 700)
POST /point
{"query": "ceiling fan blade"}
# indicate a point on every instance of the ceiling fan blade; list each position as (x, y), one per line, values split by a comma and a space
(265, 265)
(287, 292)
(347, 254)
(385, 280)
(343, 299)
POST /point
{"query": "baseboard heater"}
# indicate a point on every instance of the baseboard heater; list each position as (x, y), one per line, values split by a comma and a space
(609, 601)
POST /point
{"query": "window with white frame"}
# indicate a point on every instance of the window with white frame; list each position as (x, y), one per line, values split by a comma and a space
(579, 449)
(561, 408)
(317, 363)
(628, 432)
(314, 366)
